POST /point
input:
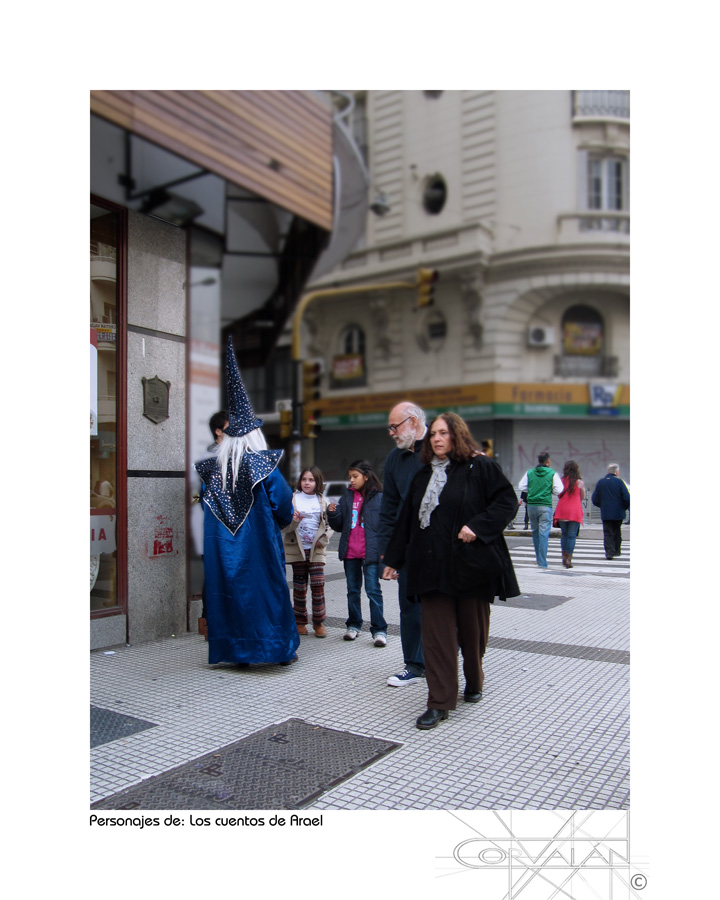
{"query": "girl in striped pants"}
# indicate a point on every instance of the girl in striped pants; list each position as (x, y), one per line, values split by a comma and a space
(306, 539)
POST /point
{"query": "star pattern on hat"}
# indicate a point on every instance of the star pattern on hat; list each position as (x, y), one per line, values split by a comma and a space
(242, 418)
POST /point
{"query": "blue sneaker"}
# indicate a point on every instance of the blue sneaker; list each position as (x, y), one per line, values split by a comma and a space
(403, 678)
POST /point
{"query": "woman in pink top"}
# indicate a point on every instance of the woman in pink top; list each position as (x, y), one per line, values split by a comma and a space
(569, 511)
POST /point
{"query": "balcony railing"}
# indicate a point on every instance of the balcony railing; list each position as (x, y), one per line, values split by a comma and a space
(604, 222)
(601, 224)
(586, 366)
(601, 104)
(106, 251)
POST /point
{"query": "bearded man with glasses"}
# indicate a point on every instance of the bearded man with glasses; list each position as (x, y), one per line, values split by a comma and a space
(406, 426)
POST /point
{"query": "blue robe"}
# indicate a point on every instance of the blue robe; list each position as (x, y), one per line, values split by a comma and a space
(248, 609)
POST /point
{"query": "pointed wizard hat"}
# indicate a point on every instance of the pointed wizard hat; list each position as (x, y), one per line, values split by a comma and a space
(242, 418)
(232, 505)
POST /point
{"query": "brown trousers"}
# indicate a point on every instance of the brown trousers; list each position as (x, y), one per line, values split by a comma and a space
(449, 623)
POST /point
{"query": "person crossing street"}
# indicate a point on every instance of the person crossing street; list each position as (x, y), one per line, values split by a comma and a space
(541, 483)
(613, 498)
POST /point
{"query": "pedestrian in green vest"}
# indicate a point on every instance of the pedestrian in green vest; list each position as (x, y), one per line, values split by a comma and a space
(541, 483)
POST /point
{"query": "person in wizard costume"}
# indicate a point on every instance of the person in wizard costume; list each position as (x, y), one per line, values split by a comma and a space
(246, 502)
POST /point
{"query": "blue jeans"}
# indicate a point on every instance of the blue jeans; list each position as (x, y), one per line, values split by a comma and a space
(568, 534)
(354, 569)
(540, 522)
(410, 628)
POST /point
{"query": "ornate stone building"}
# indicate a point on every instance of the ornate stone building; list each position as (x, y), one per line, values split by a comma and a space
(520, 201)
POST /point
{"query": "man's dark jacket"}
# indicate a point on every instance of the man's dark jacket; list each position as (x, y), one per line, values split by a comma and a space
(401, 466)
(487, 506)
(613, 498)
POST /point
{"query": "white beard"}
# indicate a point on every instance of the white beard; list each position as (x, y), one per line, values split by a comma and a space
(407, 441)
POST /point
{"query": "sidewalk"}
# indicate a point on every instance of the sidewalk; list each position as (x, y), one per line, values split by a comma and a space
(551, 731)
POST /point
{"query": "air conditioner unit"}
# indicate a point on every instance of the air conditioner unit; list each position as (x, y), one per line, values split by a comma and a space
(540, 336)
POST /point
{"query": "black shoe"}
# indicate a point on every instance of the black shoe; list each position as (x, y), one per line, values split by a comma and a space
(289, 661)
(472, 696)
(430, 718)
(243, 665)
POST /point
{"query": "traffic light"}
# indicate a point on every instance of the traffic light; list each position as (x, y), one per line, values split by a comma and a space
(312, 370)
(426, 279)
(285, 423)
(311, 426)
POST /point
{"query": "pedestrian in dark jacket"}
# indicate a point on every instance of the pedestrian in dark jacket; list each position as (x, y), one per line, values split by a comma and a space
(406, 427)
(613, 498)
(450, 538)
(357, 517)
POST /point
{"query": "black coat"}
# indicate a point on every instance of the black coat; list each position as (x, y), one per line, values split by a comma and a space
(401, 466)
(341, 519)
(487, 506)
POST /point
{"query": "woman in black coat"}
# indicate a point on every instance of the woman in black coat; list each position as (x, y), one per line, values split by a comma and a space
(449, 536)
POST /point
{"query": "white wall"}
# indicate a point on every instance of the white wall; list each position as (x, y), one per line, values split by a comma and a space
(536, 166)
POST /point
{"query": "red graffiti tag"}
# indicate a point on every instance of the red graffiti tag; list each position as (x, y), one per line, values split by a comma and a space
(163, 538)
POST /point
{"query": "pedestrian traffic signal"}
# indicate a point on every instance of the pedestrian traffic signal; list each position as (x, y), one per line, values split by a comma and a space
(426, 279)
(312, 371)
(285, 423)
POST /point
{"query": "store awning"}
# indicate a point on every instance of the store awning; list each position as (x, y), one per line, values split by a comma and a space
(277, 144)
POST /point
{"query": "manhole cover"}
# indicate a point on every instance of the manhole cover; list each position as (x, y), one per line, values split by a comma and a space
(540, 602)
(107, 725)
(284, 766)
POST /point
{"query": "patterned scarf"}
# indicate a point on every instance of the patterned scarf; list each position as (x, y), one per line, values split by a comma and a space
(437, 482)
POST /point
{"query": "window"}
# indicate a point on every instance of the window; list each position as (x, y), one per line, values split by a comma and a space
(431, 331)
(607, 183)
(604, 193)
(352, 340)
(582, 331)
(105, 230)
(348, 364)
(434, 194)
(583, 340)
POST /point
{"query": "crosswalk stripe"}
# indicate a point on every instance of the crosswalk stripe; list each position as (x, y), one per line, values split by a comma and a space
(588, 556)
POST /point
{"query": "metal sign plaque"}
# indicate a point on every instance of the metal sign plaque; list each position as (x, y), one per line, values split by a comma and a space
(156, 399)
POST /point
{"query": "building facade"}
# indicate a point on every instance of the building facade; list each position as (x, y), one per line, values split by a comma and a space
(520, 201)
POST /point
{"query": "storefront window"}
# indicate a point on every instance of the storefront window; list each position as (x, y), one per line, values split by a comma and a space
(104, 241)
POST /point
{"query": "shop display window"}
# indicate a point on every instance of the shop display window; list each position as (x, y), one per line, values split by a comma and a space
(104, 247)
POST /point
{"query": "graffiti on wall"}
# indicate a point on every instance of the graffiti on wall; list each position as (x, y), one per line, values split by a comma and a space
(593, 462)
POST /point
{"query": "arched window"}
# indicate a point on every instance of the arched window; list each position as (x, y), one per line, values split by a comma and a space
(583, 342)
(352, 340)
(348, 365)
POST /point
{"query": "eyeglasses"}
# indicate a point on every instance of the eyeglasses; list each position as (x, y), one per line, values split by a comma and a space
(394, 428)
